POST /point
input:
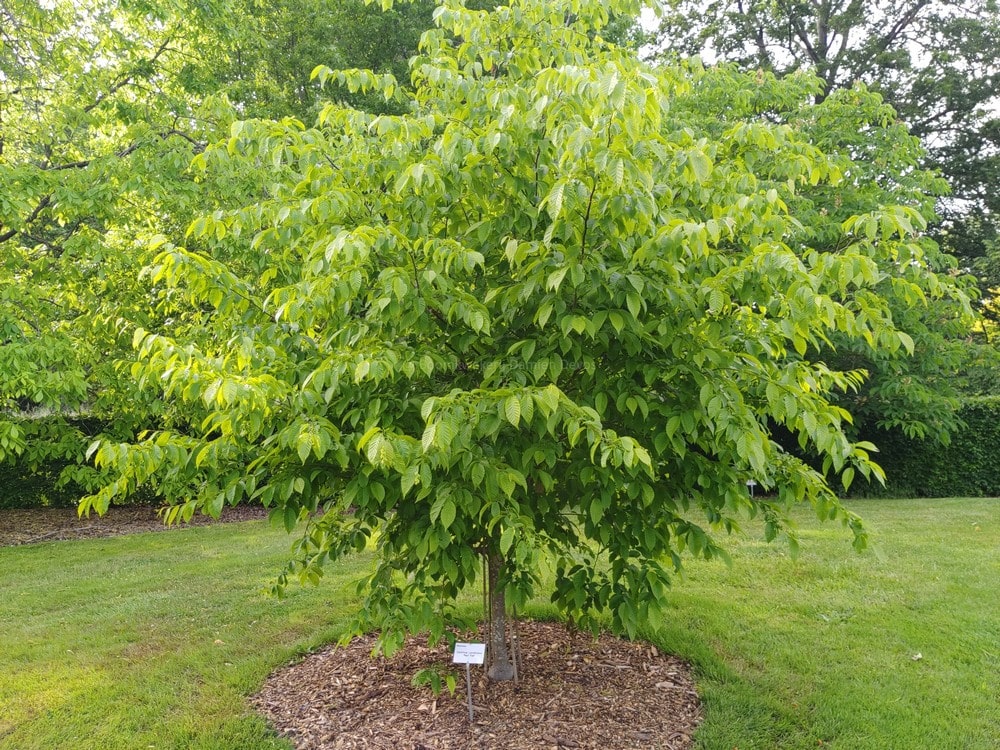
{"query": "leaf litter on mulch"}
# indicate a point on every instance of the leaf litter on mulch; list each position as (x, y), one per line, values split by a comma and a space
(574, 692)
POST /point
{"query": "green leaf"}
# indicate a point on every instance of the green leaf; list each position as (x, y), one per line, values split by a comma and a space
(544, 312)
(847, 477)
(290, 517)
(427, 440)
(409, 479)
(555, 279)
(554, 200)
(304, 446)
(634, 304)
(701, 165)
(597, 510)
(507, 540)
(512, 410)
(478, 474)
(448, 512)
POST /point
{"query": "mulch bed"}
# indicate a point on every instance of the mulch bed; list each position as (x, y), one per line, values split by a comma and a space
(50, 524)
(575, 692)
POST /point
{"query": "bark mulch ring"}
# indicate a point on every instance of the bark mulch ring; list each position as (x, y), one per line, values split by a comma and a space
(574, 692)
(50, 524)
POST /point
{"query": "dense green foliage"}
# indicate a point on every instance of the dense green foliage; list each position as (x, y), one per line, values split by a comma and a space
(967, 465)
(99, 163)
(113, 644)
(270, 48)
(103, 106)
(47, 476)
(94, 150)
(551, 314)
(934, 61)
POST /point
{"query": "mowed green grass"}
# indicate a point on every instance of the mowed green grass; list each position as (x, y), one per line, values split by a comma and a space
(156, 640)
(897, 648)
(153, 640)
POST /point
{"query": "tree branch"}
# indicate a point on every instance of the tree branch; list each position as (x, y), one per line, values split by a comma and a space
(83, 163)
(901, 25)
(763, 57)
(586, 221)
(41, 206)
(46, 200)
(126, 79)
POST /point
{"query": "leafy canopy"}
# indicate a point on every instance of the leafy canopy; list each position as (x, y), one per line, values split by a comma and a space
(557, 312)
(97, 130)
(934, 61)
(103, 105)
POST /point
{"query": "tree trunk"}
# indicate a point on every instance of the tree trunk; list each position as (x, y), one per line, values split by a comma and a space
(500, 666)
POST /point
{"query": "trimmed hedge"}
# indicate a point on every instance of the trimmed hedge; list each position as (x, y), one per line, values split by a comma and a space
(21, 487)
(968, 466)
(52, 471)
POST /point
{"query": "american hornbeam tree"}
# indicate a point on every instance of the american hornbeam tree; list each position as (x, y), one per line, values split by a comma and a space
(553, 317)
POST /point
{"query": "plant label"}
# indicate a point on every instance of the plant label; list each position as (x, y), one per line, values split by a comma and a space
(469, 653)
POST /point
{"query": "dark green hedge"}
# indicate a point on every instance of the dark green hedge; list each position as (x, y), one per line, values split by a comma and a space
(20, 487)
(53, 471)
(967, 467)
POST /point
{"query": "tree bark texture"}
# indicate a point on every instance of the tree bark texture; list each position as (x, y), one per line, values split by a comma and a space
(500, 668)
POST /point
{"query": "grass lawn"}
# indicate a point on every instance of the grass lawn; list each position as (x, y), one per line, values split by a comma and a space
(153, 641)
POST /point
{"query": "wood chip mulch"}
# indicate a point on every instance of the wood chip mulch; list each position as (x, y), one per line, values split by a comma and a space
(574, 692)
(51, 524)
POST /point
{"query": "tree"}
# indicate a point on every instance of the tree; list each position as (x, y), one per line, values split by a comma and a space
(93, 152)
(934, 61)
(551, 317)
(94, 157)
(271, 48)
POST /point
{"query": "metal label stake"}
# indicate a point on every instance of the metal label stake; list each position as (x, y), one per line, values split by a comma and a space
(469, 653)
(468, 691)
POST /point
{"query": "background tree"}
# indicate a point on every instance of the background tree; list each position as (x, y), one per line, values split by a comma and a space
(96, 132)
(550, 316)
(273, 47)
(934, 61)
(103, 105)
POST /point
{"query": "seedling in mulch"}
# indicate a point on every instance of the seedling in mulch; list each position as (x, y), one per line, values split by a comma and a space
(433, 678)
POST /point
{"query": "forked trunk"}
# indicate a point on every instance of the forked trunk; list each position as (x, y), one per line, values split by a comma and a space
(500, 666)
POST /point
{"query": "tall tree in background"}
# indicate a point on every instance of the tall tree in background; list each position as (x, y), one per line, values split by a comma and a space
(273, 47)
(96, 133)
(934, 61)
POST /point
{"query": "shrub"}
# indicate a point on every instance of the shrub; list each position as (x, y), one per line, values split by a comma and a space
(969, 465)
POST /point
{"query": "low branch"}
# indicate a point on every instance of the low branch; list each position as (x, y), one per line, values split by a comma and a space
(46, 200)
